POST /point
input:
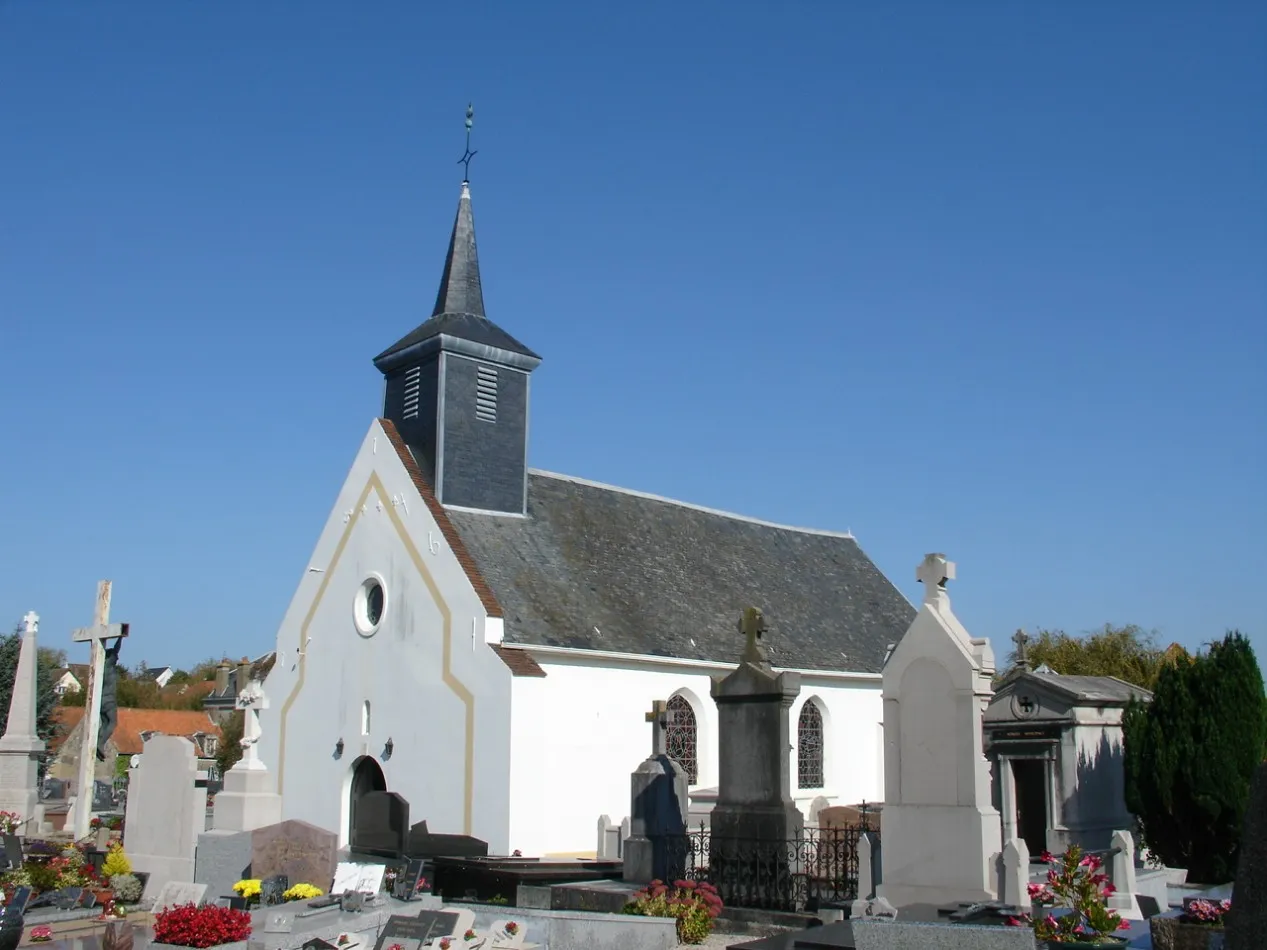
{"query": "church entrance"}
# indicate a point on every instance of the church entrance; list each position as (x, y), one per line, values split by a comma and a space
(367, 778)
(1031, 803)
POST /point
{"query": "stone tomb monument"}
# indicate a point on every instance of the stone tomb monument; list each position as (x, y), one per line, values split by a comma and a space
(165, 812)
(941, 835)
(657, 808)
(754, 818)
(20, 747)
(304, 853)
(249, 799)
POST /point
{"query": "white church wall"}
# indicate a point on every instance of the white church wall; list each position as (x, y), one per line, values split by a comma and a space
(435, 688)
(579, 732)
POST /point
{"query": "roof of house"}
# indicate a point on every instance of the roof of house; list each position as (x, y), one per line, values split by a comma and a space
(260, 668)
(595, 567)
(133, 723)
(77, 670)
(154, 672)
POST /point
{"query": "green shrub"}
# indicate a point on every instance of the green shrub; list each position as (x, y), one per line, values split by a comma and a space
(693, 903)
(1190, 756)
(127, 888)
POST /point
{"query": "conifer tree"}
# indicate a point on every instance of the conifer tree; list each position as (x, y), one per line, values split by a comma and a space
(1190, 757)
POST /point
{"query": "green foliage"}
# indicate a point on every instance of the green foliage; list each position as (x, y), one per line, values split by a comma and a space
(127, 888)
(1078, 882)
(1129, 653)
(229, 750)
(116, 861)
(1190, 756)
(45, 677)
(694, 903)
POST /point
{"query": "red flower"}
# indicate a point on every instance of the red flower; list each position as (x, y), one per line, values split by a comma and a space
(201, 927)
(1124, 925)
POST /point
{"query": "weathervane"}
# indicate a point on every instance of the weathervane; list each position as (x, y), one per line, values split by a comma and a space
(465, 160)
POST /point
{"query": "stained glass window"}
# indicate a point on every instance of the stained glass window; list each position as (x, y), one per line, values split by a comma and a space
(809, 747)
(681, 737)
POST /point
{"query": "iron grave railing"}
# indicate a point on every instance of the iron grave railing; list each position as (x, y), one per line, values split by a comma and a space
(797, 874)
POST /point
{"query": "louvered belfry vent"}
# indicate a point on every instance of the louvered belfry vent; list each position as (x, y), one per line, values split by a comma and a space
(486, 394)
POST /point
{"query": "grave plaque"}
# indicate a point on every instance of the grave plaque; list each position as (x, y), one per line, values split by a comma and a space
(21, 897)
(352, 902)
(316, 943)
(179, 893)
(13, 856)
(102, 796)
(407, 878)
(87, 899)
(278, 924)
(361, 878)
(272, 888)
(68, 897)
(415, 932)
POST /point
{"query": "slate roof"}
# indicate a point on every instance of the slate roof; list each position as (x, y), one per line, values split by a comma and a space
(601, 568)
(459, 309)
(1087, 690)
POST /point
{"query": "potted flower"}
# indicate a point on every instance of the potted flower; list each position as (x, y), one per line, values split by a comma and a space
(301, 892)
(201, 927)
(249, 890)
(1197, 928)
(1074, 881)
(42, 934)
(695, 904)
(10, 822)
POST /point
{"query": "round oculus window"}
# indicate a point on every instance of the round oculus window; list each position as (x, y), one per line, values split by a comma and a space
(371, 602)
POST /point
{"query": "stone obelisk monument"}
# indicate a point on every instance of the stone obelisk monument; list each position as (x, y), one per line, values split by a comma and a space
(21, 747)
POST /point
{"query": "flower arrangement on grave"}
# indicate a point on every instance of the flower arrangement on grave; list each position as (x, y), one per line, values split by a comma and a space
(116, 862)
(1076, 881)
(1200, 923)
(422, 886)
(127, 888)
(695, 904)
(301, 892)
(10, 822)
(470, 934)
(396, 946)
(249, 889)
(512, 928)
(445, 943)
(42, 934)
(207, 926)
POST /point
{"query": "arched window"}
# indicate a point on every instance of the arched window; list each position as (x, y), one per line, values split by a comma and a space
(365, 718)
(809, 746)
(680, 737)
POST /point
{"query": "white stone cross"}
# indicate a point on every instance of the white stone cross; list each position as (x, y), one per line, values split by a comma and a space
(95, 636)
(251, 700)
(934, 572)
(31, 623)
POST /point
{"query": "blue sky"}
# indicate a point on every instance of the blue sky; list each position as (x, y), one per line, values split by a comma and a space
(982, 277)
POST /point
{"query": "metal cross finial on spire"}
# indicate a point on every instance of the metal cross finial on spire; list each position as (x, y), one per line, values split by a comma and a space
(465, 160)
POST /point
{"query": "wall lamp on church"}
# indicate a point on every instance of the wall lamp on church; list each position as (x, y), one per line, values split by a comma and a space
(388, 750)
(338, 748)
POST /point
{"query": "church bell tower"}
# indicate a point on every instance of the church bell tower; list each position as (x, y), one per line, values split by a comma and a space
(457, 388)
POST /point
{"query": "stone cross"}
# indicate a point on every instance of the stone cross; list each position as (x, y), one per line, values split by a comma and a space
(95, 636)
(1022, 656)
(752, 626)
(934, 572)
(659, 719)
(31, 623)
(251, 700)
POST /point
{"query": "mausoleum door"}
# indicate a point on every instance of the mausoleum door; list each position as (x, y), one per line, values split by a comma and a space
(1031, 803)
(367, 776)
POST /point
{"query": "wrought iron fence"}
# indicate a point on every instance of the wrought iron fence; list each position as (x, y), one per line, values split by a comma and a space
(797, 874)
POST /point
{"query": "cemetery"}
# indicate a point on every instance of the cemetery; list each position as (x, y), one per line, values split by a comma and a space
(984, 837)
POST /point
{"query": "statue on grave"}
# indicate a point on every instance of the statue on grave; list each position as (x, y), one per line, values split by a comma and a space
(109, 703)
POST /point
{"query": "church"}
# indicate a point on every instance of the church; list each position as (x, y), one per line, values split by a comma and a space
(485, 638)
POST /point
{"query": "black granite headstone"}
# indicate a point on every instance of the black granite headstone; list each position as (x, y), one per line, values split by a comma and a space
(316, 943)
(407, 878)
(272, 888)
(423, 844)
(415, 932)
(102, 796)
(382, 824)
(70, 897)
(13, 856)
(21, 898)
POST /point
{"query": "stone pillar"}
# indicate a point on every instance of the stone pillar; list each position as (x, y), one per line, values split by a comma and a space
(754, 827)
(20, 747)
(1007, 797)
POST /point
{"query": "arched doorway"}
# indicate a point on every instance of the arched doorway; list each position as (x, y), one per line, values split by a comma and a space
(367, 776)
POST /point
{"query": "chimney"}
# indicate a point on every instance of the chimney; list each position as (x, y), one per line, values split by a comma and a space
(244, 673)
(222, 677)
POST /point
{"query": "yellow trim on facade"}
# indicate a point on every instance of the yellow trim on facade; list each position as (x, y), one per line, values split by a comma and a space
(459, 689)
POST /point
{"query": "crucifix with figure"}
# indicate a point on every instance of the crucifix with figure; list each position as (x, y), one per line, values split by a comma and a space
(659, 719)
(95, 636)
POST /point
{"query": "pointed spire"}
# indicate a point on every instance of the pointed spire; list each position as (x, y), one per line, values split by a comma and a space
(460, 288)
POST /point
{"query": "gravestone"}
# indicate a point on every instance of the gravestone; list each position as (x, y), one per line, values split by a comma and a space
(178, 894)
(165, 811)
(102, 796)
(657, 810)
(1015, 884)
(13, 856)
(405, 886)
(754, 827)
(1247, 920)
(272, 888)
(1122, 873)
(249, 799)
(223, 859)
(423, 844)
(941, 834)
(20, 747)
(305, 853)
(382, 825)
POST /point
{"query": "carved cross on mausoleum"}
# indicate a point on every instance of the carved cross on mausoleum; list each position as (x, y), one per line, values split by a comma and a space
(752, 626)
(934, 572)
(659, 719)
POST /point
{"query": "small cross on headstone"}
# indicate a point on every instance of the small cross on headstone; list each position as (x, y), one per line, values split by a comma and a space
(659, 719)
(1022, 655)
(933, 573)
(752, 626)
